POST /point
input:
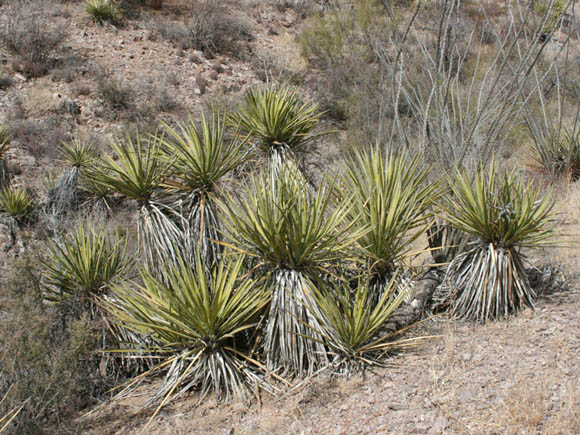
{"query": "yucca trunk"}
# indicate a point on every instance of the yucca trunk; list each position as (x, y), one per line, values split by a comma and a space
(480, 292)
(4, 178)
(162, 240)
(200, 222)
(290, 323)
(208, 370)
(391, 280)
(64, 196)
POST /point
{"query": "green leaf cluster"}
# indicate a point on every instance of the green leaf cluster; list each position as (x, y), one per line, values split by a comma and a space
(17, 203)
(391, 201)
(277, 120)
(85, 265)
(283, 224)
(503, 210)
(196, 316)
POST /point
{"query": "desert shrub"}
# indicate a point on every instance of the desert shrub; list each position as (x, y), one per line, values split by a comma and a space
(323, 39)
(279, 123)
(550, 12)
(340, 43)
(556, 150)
(31, 34)
(137, 170)
(202, 155)
(49, 370)
(41, 138)
(392, 202)
(17, 203)
(83, 267)
(116, 94)
(68, 69)
(102, 11)
(209, 26)
(64, 195)
(503, 214)
(351, 325)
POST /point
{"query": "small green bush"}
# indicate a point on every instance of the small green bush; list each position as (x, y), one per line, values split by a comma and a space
(102, 11)
(557, 152)
(16, 203)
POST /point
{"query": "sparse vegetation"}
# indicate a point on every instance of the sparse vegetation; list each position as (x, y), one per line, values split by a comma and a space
(208, 26)
(244, 252)
(117, 94)
(31, 34)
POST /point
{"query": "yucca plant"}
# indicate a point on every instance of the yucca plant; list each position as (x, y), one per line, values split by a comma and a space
(199, 318)
(200, 157)
(102, 11)
(16, 209)
(137, 171)
(85, 266)
(503, 214)
(557, 150)
(295, 237)
(99, 196)
(391, 198)
(280, 124)
(4, 146)
(16, 203)
(351, 322)
(64, 195)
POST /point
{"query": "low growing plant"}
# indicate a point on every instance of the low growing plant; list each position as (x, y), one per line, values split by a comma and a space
(557, 151)
(351, 321)
(102, 11)
(83, 267)
(31, 34)
(503, 214)
(198, 318)
(16, 203)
